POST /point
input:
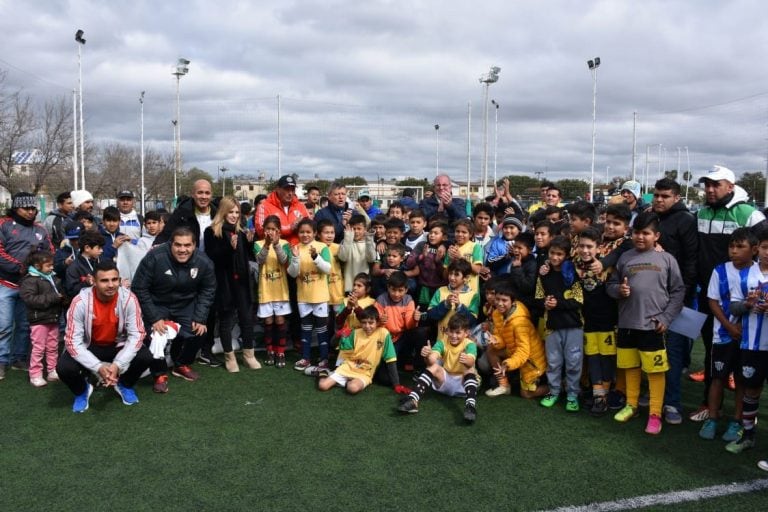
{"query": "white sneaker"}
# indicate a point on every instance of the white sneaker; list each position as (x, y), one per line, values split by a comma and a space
(498, 391)
(763, 464)
(38, 382)
(53, 376)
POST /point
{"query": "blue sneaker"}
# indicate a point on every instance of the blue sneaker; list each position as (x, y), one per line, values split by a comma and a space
(734, 431)
(81, 401)
(708, 430)
(127, 394)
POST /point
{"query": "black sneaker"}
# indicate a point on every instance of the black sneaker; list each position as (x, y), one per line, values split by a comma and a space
(408, 405)
(616, 400)
(599, 406)
(207, 358)
(470, 413)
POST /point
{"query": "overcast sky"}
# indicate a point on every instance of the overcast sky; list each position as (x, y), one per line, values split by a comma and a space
(362, 83)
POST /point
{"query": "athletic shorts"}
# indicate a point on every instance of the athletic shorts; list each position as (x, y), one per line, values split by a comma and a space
(600, 343)
(278, 308)
(754, 368)
(641, 349)
(341, 380)
(320, 309)
(725, 359)
(453, 385)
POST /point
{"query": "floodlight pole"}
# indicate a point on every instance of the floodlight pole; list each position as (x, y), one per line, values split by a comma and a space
(143, 190)
(593, 65)
(75, 166)
(81, 42)
(437, 149)
(489, 78)
(181, 70)
(495, 143)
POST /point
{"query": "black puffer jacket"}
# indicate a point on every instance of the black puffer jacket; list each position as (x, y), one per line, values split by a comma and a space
(184, 216)
(42, 300)
(161, 283)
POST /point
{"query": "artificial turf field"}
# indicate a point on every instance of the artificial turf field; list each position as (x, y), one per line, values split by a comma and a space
(267, 440)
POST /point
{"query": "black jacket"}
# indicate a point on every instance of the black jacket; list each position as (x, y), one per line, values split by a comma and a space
(680, 238)
(161, 283)
(183, 216)
(77, 275)
(230, 266)
(42, 301)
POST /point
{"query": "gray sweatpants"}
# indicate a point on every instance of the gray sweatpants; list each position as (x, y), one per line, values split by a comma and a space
(565, 347)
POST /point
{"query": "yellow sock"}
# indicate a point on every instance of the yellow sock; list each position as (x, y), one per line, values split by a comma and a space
(621, 381)
(632, 376)
(656, 382)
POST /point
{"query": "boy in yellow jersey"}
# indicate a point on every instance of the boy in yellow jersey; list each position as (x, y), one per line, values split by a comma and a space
(450, 370)
(467, 249)
(456, 298)
(365, 348)
(325, 234)
(515, 346)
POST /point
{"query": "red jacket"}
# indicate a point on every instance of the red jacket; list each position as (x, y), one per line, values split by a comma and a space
(272, 206)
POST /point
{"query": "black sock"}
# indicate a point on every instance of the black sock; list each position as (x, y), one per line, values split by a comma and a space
(470, 388)
(749, 412)
(423, 383)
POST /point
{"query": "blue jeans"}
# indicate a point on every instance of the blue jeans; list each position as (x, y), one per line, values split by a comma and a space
(14, 327)
(677, 348)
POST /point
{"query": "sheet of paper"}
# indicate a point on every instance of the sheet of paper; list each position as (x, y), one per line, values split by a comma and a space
(688, 323)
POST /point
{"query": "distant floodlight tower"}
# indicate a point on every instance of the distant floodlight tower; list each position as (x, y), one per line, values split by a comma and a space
(181, 70)
(593, 65)
(489, 78)
(437, 149)
(80, 43)
(495, 143)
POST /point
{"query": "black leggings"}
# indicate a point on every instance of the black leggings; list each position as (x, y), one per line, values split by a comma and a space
(243, 309)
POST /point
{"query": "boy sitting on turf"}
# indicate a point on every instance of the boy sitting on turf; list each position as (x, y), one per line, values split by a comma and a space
(515, 345)
(450, 370)
(363, 350)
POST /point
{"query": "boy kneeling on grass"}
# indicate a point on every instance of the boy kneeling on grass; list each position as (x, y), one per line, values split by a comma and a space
(450, 370)
(364, 349)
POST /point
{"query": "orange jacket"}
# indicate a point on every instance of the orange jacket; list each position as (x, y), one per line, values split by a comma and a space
(399, 315)
(272, 206)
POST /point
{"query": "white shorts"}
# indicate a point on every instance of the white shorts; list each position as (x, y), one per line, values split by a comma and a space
(341, 380)
(279, 308)
(452, 385)
(320, 309)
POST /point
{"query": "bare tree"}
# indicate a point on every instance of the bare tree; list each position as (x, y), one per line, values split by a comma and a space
(17, 124)
(53, 142)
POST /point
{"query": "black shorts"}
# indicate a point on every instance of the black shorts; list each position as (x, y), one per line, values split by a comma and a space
(754, 368)
(645, 341)
(725, 359)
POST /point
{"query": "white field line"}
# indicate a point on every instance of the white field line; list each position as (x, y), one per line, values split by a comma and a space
(670, 498)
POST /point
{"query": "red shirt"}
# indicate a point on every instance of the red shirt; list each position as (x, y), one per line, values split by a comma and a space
(104, 328)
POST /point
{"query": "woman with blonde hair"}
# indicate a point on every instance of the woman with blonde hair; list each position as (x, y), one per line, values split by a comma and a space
(229, 247)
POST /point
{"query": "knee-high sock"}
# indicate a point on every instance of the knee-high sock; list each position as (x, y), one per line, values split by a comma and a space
(306, 336)
(749, 414)
(621, 380)
(423, 383)
(321, 328)
(632, 376)
(656, 383)
(269, 337)
(470, 389)
(282, 334)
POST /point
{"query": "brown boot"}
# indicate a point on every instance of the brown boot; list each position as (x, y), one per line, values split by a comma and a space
(230, 362)
(250, 360)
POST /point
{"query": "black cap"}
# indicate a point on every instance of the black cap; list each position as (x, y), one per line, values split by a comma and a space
(125, 193)
(286, 181)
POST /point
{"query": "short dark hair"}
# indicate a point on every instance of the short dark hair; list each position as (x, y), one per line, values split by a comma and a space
(745, 235)
(620, 211)
(106, 265)
(461, 266)
(483, 207)
(549, 210)
(90, 238)
(667, 184)
(458, 323)
(543, 224)
(369, 313)
(398, 248)
(323, 223)
(153, 215)
(393, 223)
(526, 238)
(562, 243)
(646, 220)
(547, 184)
(506, 289)
(36, 258)
(82, 214)
(313, 187)
(356, 219)
(306, 221)
(364, 278)
(591, 233)
(182, 231)
(397, 280)
(417, 213)
(583, 210)
(272, 219)
(379, 220)
(396, 204)
(111, 213)
(63, 197)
